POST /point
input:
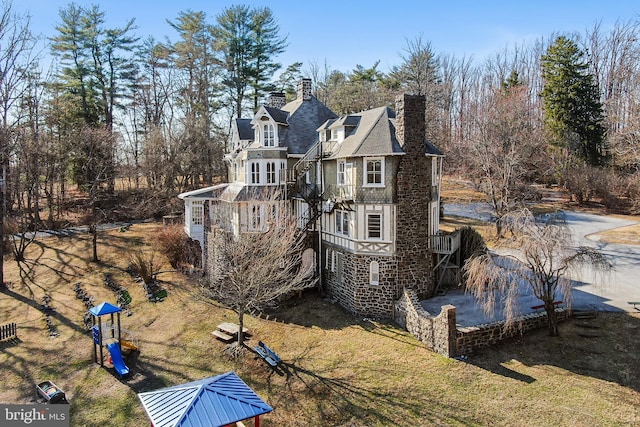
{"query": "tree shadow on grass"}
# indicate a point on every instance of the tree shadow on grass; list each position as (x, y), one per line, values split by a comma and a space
(603, 346)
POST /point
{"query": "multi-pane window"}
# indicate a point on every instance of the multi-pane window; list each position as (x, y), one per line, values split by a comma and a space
(269, 134)
(256, 217)
(331, 260)
(255, 173)
(374, 226)
(342, 222)
(197, 212)
(341, 173)
(271, 173)
(374, 273)
(374, 173)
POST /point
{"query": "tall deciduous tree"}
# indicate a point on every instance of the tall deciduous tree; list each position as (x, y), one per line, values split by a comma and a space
(250, 270)
(545, 261)
(17, 60)
(571, 100)
(503, 151)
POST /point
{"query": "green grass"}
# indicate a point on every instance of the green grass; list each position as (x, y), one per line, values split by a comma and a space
(338, 370)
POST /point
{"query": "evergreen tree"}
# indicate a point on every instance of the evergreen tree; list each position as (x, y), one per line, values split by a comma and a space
(571, 101)
(248, 40)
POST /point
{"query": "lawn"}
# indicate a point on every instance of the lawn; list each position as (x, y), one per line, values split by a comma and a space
(338, 370)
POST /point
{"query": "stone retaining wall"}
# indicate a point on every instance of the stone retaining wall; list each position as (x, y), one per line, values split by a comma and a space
(475, 337)
(440, 334)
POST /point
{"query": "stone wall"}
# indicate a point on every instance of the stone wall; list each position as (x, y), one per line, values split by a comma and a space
(440, 333)
(353, 291)
(437, 332)
(475, 337)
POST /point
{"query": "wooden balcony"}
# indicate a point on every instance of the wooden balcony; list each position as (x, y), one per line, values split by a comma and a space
(445, 243)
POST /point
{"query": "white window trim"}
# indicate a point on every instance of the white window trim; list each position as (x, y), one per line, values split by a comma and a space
(365, 174)
(256, 217)
(342, 219)
(254, 173)
(379, 215)
(197, 212)
(374, 273)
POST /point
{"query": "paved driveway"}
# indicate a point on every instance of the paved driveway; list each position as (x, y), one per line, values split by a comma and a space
(610, 293)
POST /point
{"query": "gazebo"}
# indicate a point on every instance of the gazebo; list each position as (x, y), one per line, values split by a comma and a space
(216, 401)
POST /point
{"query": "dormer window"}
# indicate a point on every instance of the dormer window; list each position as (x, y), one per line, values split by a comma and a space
(268, 132)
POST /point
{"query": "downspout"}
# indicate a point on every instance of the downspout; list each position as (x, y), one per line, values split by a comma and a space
(319, 255)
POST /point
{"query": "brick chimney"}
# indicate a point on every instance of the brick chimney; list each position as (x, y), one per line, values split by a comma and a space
(277, 100)
(304, 89)
(413, 189)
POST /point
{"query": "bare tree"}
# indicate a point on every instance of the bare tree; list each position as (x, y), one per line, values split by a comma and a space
(545, 260)
(251, 270)
(505, 147)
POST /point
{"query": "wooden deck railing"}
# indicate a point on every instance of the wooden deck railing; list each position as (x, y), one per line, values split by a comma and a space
(445, 243)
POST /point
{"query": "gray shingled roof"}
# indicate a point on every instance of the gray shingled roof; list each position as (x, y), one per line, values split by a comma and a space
(277, 115)
(374, 136)
(245, 130)
(304, 119)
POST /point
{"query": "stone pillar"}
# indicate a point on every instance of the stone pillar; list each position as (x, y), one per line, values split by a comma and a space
(304, 89)
(415, 266)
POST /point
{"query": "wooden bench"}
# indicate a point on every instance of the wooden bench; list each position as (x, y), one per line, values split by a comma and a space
(222, 335)
(227, 331)
(635, 304)
(538, 307)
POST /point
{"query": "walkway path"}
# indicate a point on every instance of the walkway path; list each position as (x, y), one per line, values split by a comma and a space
(609, 294)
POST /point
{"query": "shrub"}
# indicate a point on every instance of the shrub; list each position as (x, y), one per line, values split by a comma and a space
(172, 242)
(143, 264)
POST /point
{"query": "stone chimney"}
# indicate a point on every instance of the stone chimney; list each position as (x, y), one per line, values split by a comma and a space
(413, 189)
(410, 122)
(277, 100)
(304, 89)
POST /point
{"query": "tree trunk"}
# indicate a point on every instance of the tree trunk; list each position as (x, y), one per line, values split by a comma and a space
(94, 242)
(240, 328)
(552, 318)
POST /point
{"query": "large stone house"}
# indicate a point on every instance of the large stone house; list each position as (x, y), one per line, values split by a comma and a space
(365, 186)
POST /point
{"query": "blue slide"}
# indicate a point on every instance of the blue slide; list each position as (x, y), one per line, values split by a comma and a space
(116, 359)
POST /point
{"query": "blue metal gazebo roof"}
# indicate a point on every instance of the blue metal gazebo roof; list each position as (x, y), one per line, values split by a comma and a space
(104, 308)
(213, 401)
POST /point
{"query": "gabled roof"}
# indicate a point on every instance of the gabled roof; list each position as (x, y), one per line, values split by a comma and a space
(277, 115)
(305, 116)
(374, 136)
(104, 308)
(204, 193)
(245, 131)
(213, 401)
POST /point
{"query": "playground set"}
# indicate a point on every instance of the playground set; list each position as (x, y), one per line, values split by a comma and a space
(110, 335)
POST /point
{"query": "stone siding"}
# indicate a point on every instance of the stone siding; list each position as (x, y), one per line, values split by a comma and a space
(353, 291)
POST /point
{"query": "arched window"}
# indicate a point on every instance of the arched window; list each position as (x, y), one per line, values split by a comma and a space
(255, 173)
(269, 135)
(271, 173)
(374, 273)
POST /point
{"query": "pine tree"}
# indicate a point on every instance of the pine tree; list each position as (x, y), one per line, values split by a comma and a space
(572, 108)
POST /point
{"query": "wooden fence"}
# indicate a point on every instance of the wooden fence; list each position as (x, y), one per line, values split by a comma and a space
(10, 330)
